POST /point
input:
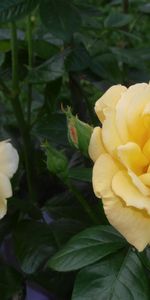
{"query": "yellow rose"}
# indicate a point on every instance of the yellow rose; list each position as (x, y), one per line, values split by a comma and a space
(8, 165)
(121, 154)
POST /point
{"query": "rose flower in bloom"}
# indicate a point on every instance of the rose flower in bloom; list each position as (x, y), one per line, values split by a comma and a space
(121, 154)
(8, 165)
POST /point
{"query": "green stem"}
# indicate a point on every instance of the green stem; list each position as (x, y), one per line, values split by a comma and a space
(15, 80)
(84, 203)
(18, 111)
(30, 63)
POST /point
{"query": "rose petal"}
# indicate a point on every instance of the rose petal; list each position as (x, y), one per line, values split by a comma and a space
(134, 115)
(132, 157)
(3, 208)
(9, 159)
(109, 100)
(5, 187)
(145, 178)
(122, 108)
(103, 172)
(146, 116)
(146, 149)
(139, 183)
(96, 147)
(134, 225)
(110, 136)
(123, 187)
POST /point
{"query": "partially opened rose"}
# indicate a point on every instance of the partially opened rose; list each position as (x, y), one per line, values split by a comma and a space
(8, 165)
(121, 154)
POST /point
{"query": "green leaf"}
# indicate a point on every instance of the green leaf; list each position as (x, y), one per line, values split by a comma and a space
(60, 17)
(51, 92)
(50, 70)
(65, 205)
(52, 128)
(119, 277)
(107, 67)
(131, 56)
(44, 49)
(145, 257)
(34, 243)
(64, 229)
(78, 60)
(5, 45)
(117, 20)
(10, 282)
(87, 247)
(2, 58)
(145, 8)
(12, 10)
(81, 174)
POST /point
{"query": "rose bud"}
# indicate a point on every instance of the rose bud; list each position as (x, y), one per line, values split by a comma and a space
(79, 133)
(57, 162)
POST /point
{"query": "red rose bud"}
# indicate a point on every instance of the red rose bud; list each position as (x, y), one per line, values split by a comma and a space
(72, 135)
(57, 162)
(79, 133)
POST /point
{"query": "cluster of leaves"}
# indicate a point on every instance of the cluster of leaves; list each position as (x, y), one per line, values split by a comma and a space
(55, 236)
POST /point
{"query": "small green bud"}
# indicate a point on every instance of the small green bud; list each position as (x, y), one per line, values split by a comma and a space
(57, 162)
(79, 133)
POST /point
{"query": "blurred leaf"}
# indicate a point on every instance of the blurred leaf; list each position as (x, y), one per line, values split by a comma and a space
(81, 174)
(5, 36)
(51, 280)
(60, 17)
(34, 243)
(5, 226)
(119, 276)
(44, 49)
(131, 56)
(106, 66)
(87, 247)
(65, 205)
(24, 206)
(48, 37)
(145, 8)
(130, 35)
(10, 282)
(5, 45)
(2, 57)
(49, 70)
(116, 2)
(117, 20)
(52, 91)
(12, 10)
(78, 60)
(138, 75)
(89, 9)
(52, 128)
(78, 97)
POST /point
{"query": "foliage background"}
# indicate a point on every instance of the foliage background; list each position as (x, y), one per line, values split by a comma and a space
(55, 53)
